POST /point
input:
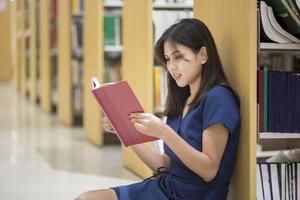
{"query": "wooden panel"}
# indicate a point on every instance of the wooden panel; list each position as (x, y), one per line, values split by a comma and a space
(22, 48)
(93, 66)
(137, 64)
(32, 50)
(19, 36)
(5, 41)
(45, 59)
(233, 25)
(64, 84)
(14, 42)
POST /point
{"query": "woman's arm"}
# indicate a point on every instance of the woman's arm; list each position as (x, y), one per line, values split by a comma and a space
(207, 162)
(151, 158)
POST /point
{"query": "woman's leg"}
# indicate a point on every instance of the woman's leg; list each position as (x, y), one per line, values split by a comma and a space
(108, 194)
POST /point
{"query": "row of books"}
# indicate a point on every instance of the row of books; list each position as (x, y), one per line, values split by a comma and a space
(77, 76)
(160, 87)
(112, 30)
(163, 19)
(112, 66)
(278, 181)
(77, 38)
(278, 177)
(278, 101)
(280, 21)
(279, 61)
(77, 6)
(53, 9)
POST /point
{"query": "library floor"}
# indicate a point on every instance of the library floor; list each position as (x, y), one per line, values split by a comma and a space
(42, 159)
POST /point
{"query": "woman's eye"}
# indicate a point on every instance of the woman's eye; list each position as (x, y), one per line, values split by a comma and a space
(178, 57)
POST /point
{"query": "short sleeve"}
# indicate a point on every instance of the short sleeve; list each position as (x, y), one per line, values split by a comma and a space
(221, 108)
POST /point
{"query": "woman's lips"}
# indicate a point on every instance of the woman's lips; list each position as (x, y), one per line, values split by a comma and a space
(177, 76)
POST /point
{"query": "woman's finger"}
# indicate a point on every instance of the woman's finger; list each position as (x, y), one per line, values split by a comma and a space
(137, 115)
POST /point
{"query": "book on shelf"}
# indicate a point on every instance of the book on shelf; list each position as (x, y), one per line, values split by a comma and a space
(279, 176)
(160, 87)
(271, 30)
(77, 6)
(112, 30)
(283, 10)
(53, 7)
(279, 101)
(117, 101)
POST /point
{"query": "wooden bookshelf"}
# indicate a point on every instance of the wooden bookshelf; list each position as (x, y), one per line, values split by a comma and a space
(93, 66)
(172, 6)
(113, 4)
(279, 135)
(267, 154)
(137, 65)
(279, 47)
(233, 26)
(21, 47)
(64, 76)
(32, 51)
(45, 55)
(113, 48)
(19, 37)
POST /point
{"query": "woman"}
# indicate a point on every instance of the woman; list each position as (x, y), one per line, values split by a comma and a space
(202, 129)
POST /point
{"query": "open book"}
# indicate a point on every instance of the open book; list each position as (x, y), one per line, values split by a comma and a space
(117, 101)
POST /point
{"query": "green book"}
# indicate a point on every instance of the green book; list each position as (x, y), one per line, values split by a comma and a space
(109, 30)
(285, 15)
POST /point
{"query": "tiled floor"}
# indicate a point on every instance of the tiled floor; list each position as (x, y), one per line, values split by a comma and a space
(41, 159)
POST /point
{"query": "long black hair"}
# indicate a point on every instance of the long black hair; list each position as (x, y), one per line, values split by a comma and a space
(193, 34)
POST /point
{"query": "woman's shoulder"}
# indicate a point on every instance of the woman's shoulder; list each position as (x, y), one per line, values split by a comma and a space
(220, 91)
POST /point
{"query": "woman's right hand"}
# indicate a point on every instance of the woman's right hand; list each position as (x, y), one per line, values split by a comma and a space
(107, 125)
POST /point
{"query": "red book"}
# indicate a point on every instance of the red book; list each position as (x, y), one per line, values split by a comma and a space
(117, 101)
(260, 99)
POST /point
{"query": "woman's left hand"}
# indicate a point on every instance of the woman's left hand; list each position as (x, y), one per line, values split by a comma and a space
(148, 124)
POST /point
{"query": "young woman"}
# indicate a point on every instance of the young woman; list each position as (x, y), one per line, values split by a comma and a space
(202, 129)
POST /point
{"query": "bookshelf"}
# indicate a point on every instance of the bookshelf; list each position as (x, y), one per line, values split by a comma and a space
(101, 59)
(113, 48)
(279, 47)
(233, 26)
(277, 115)
(138, 66)
(113, 4)
(64, 70)
(267, 154)
(32, 51)
(48, 54)
(6, 35)
(21, 48)
(171, 6)
(18, 45)
(92, 66)
(267, 135)
(38, 50)
(76, 34)
(27, 35)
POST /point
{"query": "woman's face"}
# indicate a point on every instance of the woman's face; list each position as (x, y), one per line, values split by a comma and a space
(184, 65)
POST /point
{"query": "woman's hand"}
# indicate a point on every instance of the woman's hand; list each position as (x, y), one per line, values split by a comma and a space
(148, 124)
(107, 125)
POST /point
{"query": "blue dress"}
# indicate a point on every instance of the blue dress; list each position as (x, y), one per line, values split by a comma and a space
(179, 182)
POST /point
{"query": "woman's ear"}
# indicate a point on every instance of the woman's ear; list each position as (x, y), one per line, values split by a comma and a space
(202, 55)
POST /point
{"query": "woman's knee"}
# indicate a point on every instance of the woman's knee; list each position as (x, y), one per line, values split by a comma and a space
(108, 194)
